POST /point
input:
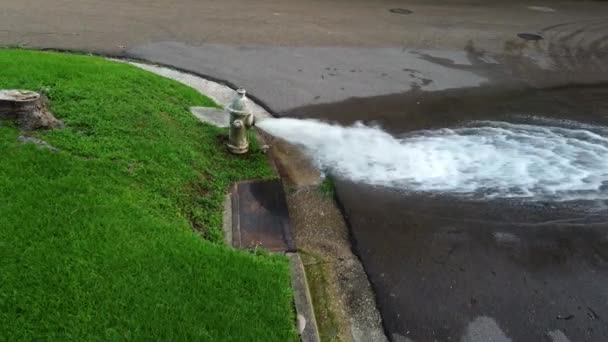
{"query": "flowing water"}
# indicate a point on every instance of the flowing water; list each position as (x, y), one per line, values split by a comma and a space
(484, 159)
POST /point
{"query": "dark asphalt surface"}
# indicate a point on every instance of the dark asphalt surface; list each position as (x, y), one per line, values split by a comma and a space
(111, 26)
(438, 264)
(443, 268)
(288, 77)
(447, 268)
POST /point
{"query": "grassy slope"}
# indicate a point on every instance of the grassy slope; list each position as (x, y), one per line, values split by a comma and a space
(96, 240)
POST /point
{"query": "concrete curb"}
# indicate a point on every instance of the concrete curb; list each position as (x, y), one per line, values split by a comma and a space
(307, 323)
(220, 93)
(227, 219)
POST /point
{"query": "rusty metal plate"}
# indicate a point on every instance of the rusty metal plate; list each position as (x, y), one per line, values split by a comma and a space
(260, 217)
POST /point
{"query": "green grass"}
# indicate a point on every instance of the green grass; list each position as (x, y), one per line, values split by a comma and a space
(316, 274)
(101, 240)
(328, 187)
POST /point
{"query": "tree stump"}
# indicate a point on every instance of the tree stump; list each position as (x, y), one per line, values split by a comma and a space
(28, 108)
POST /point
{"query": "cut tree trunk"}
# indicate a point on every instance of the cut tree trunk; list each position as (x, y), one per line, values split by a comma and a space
(28, 108)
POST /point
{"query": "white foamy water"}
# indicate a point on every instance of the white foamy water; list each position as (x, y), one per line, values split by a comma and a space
(486, 159)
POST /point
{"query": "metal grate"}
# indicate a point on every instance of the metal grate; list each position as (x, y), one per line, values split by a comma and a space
(260, 217)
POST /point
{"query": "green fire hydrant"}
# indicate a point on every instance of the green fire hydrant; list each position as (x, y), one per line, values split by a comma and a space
(241, 119)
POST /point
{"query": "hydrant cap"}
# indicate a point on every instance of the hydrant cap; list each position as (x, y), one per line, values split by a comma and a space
(239, 104)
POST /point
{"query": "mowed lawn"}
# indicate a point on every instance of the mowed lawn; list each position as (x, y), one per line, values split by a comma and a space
(117, 235)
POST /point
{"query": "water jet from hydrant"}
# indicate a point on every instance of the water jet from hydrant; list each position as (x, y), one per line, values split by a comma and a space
(483, 160)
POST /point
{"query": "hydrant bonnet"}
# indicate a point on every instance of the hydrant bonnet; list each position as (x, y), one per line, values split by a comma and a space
(239, 104)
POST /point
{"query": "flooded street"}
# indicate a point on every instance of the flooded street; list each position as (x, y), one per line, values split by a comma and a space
(448, 267)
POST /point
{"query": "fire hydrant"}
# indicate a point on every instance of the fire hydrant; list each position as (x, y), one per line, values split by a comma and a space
(241, 119)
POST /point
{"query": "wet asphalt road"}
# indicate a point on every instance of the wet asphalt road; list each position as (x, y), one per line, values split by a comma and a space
(443, 266)
(450, 269)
